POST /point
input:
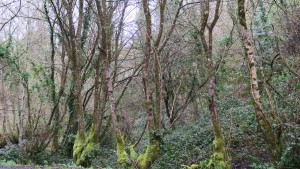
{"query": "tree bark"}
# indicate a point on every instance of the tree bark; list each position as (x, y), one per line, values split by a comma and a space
(219, 157)
(273, 142)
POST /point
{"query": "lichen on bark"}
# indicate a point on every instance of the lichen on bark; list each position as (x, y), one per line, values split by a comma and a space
(272, 138)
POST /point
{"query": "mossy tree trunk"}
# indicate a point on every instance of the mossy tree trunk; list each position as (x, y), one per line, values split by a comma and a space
(73, 44)
(219, 159)
(273, 140)
(102, 88)
(74, 51)
(153, 47)
(75, 41)
(145, 160)
(91, 141)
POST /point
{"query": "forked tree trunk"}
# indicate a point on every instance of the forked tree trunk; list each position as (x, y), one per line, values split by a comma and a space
(219, 157)
(152, 48)
(73, 48)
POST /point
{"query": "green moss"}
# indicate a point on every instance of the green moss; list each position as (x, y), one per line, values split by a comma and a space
(142, 161)
(83, 147)
(78, 148)
(193, 166)
(83, 161)
(145, 160)
(92, 135)
(219, 150)
(217, 131)
(14, 138)
(133, 154)
(122, 155)
(218, 160)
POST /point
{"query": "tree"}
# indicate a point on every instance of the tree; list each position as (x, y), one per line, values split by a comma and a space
(219, 159)
(73, 39)
(153, 48)
(273, 139)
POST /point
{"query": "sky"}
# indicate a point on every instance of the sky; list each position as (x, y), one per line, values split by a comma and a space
(18, 16)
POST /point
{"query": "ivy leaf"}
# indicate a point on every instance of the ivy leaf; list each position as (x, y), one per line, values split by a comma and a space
(297, 86)
(25, 75)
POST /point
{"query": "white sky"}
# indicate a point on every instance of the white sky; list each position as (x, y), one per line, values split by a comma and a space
(29, 16)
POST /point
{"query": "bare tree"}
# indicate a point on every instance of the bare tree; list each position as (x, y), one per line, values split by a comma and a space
(153, 48)
(273, 140)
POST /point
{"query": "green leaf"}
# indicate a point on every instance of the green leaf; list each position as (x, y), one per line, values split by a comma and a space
(297, 86)
(25, 75)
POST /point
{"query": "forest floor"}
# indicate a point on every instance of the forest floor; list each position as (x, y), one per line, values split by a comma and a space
(35, 167)
(16, 167)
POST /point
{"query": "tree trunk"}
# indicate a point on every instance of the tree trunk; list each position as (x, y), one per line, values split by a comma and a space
(219, 158)
(4, 107)
(273, 142)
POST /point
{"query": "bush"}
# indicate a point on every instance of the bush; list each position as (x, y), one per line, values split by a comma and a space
(10, 154)
(186, 145)
(291, 154)
(104, 157)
